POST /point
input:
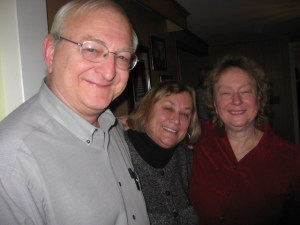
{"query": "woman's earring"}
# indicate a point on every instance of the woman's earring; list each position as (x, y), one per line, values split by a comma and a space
(216, 109)
(189, 136)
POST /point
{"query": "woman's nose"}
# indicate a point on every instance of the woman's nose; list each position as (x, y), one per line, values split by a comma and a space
(236, 99)
(176, 117)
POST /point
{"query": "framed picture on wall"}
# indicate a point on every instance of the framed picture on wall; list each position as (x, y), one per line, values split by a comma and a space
(158, 53)
(141, 74)
(164, 78)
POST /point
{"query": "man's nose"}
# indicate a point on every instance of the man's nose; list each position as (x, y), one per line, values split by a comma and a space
(108, 67)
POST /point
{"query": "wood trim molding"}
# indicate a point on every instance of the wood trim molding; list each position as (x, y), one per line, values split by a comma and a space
(170, 9)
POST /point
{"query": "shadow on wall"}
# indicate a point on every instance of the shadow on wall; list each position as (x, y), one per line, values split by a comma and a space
(2, 108)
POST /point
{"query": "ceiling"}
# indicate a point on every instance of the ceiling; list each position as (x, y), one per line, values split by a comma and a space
(220, 22)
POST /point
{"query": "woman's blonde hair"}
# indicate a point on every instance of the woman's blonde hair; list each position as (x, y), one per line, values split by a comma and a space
(253, 70)
(138, 120)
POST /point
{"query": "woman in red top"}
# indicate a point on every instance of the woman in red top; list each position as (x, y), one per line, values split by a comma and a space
(242, 172)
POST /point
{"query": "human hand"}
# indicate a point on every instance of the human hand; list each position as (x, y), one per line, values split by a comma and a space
(190, 147)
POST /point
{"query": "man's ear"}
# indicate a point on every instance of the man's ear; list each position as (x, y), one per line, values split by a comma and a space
(48, 51)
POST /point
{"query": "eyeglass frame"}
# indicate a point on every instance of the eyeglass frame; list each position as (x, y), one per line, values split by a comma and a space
(135, 61)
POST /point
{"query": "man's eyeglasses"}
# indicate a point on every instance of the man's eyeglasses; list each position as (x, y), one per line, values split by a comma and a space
(96, 51)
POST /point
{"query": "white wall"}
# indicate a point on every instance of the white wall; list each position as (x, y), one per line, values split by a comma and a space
(23, 25)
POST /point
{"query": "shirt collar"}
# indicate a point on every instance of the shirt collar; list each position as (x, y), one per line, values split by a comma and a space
(221, 132)
(75, 124)
(217, 131)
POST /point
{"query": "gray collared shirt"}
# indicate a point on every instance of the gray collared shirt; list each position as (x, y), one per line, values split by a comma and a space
(57, 169)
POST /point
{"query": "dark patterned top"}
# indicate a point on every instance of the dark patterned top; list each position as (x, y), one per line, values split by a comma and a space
(165, 190)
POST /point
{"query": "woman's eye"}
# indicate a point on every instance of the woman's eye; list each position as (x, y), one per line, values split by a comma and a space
(224, 93)
(167, 109)
(186, 115)
(246, 92)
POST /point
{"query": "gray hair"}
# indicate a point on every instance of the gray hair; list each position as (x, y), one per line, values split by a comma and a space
(80, 6)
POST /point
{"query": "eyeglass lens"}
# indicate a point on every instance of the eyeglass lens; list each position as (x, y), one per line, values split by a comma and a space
(97, 52)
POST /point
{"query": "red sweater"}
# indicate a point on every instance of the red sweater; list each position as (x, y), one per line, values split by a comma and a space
(262, 188)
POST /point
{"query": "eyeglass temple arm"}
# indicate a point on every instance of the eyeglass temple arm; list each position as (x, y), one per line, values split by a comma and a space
(79, 44)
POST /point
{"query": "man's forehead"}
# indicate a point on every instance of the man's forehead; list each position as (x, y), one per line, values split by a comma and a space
(94, 16)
